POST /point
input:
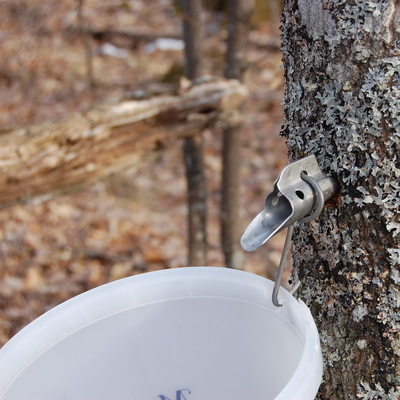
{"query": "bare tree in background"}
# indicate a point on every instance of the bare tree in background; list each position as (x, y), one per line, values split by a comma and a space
(193, 147)
(85, 41)
(240, 12)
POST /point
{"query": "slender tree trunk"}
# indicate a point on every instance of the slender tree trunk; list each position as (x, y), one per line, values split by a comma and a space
(192, 32)
(193, 147)
(86, 44)
(240, 12)
(342, 103)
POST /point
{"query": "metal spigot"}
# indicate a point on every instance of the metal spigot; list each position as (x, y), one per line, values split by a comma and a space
(294, 198)
(299, 195)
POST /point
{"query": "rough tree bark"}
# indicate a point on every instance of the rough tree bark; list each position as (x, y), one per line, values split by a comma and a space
(240, 12)
(61, 156)
(342, 103)
(193, 147)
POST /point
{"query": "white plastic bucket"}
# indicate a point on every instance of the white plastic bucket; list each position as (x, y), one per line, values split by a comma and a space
(198, 333)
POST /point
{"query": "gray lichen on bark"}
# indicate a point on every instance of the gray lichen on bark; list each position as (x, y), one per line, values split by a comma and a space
(342, 103)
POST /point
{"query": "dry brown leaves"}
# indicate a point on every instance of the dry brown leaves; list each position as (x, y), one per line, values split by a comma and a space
(53, 249)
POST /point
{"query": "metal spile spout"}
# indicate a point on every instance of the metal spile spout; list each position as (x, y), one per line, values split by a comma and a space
(299, 195)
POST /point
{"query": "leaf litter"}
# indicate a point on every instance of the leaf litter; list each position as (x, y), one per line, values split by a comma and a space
(134, 221)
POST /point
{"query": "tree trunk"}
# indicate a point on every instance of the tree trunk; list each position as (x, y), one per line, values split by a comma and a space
(61, 156)
(193, 147)
(342, 103)
(240, 12)
(192, 33)
(86, 44)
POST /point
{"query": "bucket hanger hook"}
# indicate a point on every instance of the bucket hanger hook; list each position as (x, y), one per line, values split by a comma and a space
(282, 262)
(289, 234)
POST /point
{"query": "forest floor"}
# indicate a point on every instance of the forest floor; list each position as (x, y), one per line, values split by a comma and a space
(52, 249)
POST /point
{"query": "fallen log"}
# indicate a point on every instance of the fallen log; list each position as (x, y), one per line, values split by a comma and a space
(85, 146)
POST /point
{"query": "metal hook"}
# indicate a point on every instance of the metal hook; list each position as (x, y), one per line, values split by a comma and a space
(281, 267)
(289, 235)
